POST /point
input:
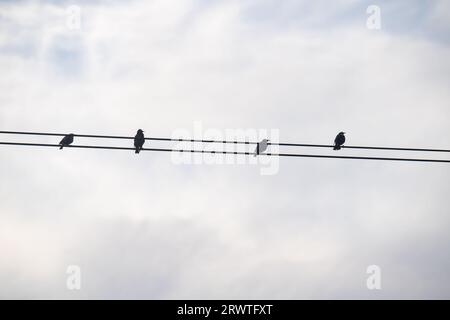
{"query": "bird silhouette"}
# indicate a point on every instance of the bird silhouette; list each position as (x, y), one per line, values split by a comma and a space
(139, 140)
(261, 147)
(68, 139)
(339, 141)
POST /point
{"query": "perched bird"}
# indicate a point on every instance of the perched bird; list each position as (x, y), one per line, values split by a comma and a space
(339, 141)
(139, 140)
(261, 147)
(68, 139)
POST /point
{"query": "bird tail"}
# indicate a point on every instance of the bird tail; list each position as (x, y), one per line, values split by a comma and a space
(137, 150)
(60, 148)
(336, 147)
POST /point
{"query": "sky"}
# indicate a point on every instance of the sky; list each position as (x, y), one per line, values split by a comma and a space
(147, 227)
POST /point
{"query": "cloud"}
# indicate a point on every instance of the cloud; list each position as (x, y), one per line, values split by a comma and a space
(143, 227)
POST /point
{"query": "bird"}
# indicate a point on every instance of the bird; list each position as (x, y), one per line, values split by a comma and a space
(139, 140)
(339, 141)
(261, 147)
(68, 139)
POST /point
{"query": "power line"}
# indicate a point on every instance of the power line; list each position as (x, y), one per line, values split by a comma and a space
(361, 147)
(226, 152)
(229, 142)
(125, 137)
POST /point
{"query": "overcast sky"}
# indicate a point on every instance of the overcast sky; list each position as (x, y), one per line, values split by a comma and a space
(143, 226)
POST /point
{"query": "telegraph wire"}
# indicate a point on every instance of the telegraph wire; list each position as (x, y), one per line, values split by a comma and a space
(226, 152)
(229, 142)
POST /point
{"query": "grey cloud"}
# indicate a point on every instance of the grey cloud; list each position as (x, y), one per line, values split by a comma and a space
(143, 227)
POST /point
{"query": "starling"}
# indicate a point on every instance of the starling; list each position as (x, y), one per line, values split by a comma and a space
(68, 139)
(339, 141)
(261, 147)
(139, 140)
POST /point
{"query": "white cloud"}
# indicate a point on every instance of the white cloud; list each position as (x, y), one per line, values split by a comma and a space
(142, 227)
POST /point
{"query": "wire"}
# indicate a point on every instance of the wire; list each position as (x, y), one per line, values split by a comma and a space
(226, 152)
(361, 147)
(228, 141)
(124, 137)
